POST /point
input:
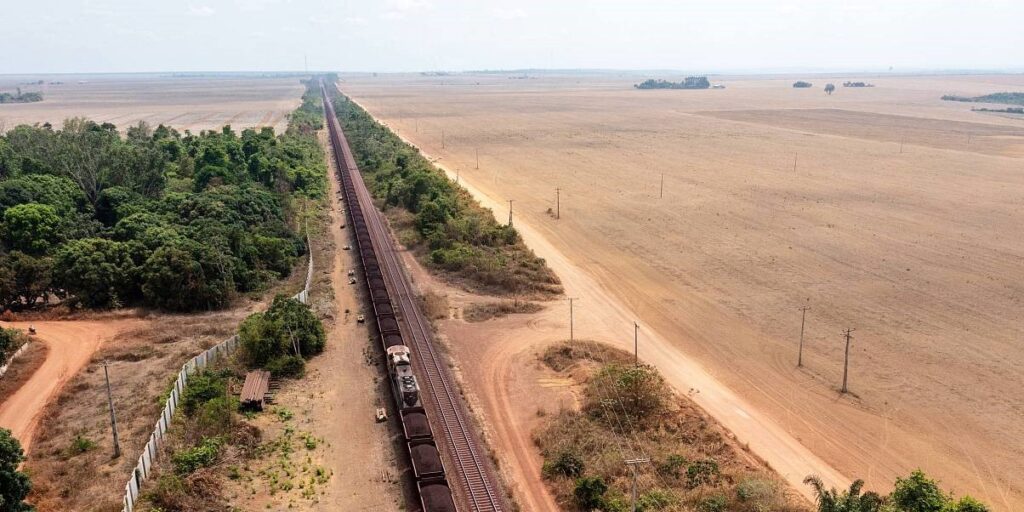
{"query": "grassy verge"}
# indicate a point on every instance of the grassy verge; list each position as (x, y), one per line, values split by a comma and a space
(629, 412)
(446, 228)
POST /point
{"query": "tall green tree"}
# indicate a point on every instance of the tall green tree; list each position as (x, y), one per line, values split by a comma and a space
(99, 273)
(918, 493)
(32, 228)
(14, 485)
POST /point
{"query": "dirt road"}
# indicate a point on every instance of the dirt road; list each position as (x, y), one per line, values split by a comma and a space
(71, 345)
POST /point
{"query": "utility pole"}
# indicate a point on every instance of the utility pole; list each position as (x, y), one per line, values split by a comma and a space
(442, 138)
(632, 463)
(510, 212)
(558, 203)
(901, 144)
(846, 362)
(113, 418)
(661, 192)
(795, 157)
(636, 344)
(803, 316)
(571, 333)
(477, 150)
(458, 173)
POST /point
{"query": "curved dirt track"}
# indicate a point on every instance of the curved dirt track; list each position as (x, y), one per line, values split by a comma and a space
(71, 345)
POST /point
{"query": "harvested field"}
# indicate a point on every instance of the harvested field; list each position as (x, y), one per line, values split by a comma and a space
(916, 250)
(194, 104)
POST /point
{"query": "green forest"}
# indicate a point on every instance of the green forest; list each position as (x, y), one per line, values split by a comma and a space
(446, 227)
(156, 218)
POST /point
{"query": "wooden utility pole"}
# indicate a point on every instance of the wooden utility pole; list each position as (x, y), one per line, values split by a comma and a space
(661, 191)
(510, 212)
(571, 332)
(442, 138)
(795, 157)
(901, 144)
(458, 174)
(477, 150)
(558, 203)
(632, 463)
(846, 361)
(803, 316)
(636, 344)
(113, 418)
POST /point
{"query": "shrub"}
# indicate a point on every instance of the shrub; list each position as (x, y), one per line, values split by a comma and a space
(918, 493)
(716, 503)
(80, 445)
(9, 342)
(190, 459)
(753, 489)
(625, 390)
(202, 387)
(655, 500)
(589, 492)
(287, 366)
(702, 472)
(672, 466)
(566, 464)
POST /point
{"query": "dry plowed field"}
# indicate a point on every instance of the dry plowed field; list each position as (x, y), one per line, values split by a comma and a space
(885, 209)
(186, 103)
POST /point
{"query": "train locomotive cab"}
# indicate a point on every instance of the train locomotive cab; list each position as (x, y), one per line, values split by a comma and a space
(407, 390)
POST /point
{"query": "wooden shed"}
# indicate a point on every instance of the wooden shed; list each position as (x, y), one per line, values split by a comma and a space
(255, 389)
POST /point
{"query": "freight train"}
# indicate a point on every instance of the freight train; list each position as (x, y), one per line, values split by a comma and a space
(427, 468)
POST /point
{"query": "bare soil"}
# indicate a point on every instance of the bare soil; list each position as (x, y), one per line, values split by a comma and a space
(913, 248)
(185, 103)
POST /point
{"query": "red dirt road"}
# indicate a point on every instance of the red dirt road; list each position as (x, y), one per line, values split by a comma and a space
(71, 344)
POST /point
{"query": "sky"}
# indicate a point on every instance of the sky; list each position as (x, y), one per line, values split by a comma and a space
(68, 36)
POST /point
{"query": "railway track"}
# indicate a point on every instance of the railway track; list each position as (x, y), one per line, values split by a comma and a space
(472, 472)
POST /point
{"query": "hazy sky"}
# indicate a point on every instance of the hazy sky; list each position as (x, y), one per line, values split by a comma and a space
(412, 35)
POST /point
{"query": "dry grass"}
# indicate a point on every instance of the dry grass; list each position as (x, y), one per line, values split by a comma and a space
(678, 436)
(483, 311)
(435, 305)
(22, 368)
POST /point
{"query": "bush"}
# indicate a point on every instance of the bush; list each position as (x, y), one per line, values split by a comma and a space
(10, 340)
(589, 492)
(918, 493)
(702, 472)
(755, 490)
(190, 459)
(716, 503)
(287, 366)
(203, 386)
(672, 466)
(566, 464)
(655, 500)
(620, 390)
(80, 445)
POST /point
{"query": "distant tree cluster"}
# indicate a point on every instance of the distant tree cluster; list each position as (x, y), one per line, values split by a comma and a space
(1008, 98)
(20, 97)
(690, 82)
(857, 84)
(802, 85)
(156, 218)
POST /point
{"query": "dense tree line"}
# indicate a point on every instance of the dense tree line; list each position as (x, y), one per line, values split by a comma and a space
(171, 220)
(1009, 98)
(449, 228)
(20, 97)
(915, 493)
(690, 82)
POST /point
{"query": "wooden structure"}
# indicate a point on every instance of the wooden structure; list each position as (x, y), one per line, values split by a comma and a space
(255, 390)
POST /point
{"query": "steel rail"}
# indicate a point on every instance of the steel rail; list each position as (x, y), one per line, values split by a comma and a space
(475, 476)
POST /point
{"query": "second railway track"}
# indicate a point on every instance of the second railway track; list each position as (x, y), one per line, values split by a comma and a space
(472, 474)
